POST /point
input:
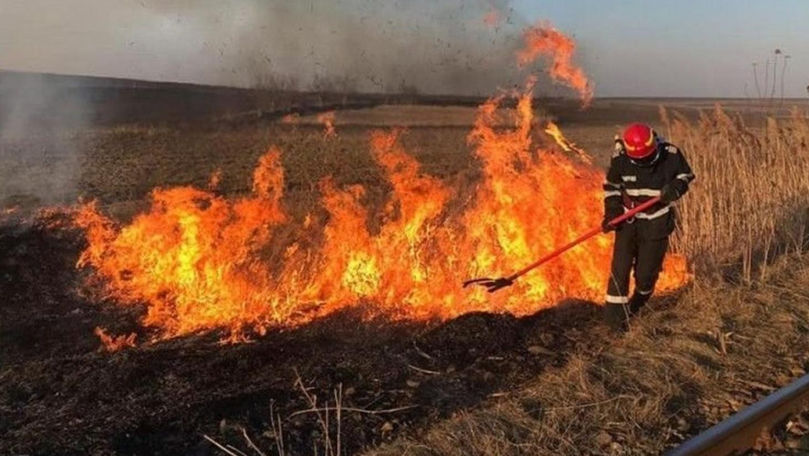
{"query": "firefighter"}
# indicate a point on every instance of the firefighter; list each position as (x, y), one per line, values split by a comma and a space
(643, 166)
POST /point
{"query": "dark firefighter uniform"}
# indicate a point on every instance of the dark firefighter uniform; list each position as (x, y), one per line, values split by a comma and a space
(641, 242)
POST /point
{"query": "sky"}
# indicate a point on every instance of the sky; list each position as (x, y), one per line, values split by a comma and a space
(628, 47)
(683, 47)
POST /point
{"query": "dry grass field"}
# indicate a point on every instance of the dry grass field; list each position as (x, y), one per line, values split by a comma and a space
(552, 383)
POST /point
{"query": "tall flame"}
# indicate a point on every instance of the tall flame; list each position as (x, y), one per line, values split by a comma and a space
(544, 40)
(200, 261)
(194, 257)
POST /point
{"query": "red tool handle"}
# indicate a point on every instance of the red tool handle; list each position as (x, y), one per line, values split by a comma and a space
(626, 215)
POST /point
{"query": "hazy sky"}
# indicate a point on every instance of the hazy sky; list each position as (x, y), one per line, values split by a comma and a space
(630, 47)
(683, 47)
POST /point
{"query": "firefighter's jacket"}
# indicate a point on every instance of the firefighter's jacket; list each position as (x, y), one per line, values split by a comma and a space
(629, 184)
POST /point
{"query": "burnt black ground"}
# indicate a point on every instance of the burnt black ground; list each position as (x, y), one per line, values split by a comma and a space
(60, 395)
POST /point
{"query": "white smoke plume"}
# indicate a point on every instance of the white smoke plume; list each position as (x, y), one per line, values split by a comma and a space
(39, 140)
(447, 47)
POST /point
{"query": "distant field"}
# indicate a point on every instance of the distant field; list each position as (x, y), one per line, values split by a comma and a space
(121, 162)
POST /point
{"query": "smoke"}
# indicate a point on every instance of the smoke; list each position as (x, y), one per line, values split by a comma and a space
(361, 45)
(39, 143)
(448, 47)
(424, 46)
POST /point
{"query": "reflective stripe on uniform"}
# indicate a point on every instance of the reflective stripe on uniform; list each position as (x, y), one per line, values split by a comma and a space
(642, 192)
(686, 177)
(645, 292)
(616, 299)
(653, 215)
(613, 185)
(612, 193)
(629, 178)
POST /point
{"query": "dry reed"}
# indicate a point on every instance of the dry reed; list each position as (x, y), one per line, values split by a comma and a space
(751, 196)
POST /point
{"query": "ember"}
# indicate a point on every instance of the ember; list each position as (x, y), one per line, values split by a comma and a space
(112, 343)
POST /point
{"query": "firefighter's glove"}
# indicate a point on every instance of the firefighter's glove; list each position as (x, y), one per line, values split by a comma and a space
(669, 194)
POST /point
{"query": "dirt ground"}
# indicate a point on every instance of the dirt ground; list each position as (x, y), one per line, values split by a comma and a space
(60, 395)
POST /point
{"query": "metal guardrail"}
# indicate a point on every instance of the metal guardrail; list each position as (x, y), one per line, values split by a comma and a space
(739, 432)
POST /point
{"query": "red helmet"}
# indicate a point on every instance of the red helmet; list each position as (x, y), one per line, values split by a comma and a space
(640, 141)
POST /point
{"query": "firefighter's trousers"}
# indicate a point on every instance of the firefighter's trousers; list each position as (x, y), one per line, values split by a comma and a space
(633, 249)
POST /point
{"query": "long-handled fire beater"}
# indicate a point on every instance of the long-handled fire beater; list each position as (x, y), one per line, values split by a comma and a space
(493, 285)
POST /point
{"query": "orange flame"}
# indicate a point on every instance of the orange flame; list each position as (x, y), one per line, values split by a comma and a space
(193, 257)
(200, 261)
(114, 343)
(327, 119)
(543, 39)
(554, 132)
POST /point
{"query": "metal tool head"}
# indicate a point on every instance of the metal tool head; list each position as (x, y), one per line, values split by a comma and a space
(491, 285)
